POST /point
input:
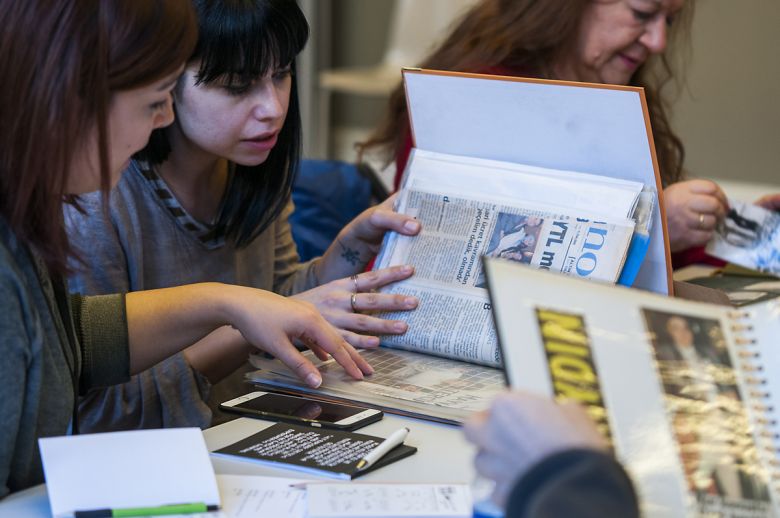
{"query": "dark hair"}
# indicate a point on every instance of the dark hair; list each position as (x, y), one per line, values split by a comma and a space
(526, 35)
(241, 40)
(60, 62)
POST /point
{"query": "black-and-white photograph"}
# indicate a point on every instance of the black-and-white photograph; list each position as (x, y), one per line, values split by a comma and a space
(749, 236)
(705, 408)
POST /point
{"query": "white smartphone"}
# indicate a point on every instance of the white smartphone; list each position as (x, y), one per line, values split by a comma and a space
(298, 410)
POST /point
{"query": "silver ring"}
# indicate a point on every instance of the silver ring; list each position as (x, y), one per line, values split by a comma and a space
(353, 302)
(355, 281)
(701, 221)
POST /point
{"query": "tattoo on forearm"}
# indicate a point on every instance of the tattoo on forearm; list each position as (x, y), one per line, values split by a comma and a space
(350, 255)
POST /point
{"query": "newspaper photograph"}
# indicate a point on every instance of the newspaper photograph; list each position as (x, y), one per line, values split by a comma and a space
(748, 236)
(458, 231)
(402, 380)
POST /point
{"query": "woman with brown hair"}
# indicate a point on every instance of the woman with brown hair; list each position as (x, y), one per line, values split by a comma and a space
(84, 84)
(596, 41)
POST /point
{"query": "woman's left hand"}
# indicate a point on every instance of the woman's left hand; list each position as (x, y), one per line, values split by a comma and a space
(345, 304)
(769, 201)
(358, 242)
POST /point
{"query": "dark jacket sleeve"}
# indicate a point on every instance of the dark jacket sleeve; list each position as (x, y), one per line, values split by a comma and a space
(574, 483)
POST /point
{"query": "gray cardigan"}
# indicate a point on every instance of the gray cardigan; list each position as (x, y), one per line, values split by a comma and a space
(40, 365)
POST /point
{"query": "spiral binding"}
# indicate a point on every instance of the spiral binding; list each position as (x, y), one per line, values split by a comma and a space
(766, 423)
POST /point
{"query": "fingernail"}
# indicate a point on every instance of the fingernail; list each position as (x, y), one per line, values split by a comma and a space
(313, 380)
(412, 226)
(370, 370)
(372, 340)
(407, 268)
(400, 327)
(410, 302)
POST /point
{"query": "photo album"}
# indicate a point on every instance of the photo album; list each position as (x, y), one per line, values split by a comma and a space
(554, 175)
(685, 392)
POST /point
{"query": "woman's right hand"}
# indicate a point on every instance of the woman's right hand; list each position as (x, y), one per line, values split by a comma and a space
(271, 323)
(693, 210)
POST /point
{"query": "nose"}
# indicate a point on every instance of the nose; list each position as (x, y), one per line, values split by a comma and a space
(654, 37)
(267, 103)
(165, 116)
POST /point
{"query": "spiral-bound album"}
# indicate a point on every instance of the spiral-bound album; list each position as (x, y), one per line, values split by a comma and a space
(685, 392)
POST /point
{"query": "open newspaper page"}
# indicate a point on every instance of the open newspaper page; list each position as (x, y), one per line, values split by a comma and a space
(748, 236)
(403, 382)
(453, 318)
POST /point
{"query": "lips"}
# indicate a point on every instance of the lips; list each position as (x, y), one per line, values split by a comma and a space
(631, 62)
(263, 142)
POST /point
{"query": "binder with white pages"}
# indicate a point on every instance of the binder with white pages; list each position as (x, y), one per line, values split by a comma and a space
(686, 392)
(586, 149)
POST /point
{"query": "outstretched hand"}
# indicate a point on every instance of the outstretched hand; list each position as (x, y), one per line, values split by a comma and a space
(348, 303)
(271, 323)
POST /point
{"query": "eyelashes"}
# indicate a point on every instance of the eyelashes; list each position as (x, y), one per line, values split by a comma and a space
(242, 88)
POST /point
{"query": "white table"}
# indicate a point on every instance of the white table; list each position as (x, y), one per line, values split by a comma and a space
(442, 455)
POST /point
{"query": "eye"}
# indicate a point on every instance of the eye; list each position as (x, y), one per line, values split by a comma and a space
(237, 88)
(159, 105)
(282, 73)
(642, 16)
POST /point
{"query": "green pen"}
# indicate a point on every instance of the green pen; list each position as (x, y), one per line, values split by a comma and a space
(147, 511)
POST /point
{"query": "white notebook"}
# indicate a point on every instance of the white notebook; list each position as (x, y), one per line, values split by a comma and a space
(118, 470)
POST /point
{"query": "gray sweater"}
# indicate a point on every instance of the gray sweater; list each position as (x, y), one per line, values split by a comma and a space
(148, 242)
(39, 363)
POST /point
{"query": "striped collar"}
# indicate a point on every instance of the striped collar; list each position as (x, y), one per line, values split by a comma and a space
(203, 232)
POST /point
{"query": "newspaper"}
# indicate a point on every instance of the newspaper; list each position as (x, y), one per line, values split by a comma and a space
(403, 382)
(446, 366)
(748, 236)
(453, 318)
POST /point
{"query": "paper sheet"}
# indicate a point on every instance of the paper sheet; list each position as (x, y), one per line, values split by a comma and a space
(249, 497)
(388, 500)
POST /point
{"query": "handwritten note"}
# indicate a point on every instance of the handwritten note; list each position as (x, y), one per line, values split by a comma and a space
(388, 500)
(248, 497)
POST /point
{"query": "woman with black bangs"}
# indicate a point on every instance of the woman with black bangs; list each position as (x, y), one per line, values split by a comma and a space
(208, 200)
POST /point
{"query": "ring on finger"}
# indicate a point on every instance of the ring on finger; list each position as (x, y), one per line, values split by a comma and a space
(354, 278)
(701, 221)
(353, 302)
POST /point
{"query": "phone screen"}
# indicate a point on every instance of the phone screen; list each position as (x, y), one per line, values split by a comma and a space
(298, 407)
